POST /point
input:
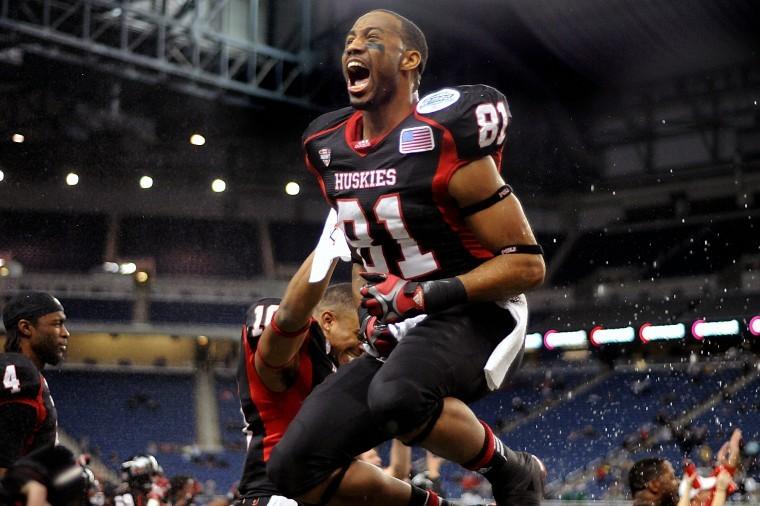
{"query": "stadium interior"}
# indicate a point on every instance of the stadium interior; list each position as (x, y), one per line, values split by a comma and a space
(151, 178)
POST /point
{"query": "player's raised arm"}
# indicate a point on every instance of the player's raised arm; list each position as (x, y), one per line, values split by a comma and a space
(734, 450)
(501, 227)
(284, 335)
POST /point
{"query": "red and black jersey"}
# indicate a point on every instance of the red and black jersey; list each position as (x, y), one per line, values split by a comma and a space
(132, 498)
(267, 413)
(391, 193)
(28, 419)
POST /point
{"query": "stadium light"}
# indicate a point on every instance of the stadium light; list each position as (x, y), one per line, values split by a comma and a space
(218, 185)
(197, 140)
(146, 182)
(72, 179)
(534, 341)
(754, 326)
(292, 188)
(127, 268)
(649, 332)
(111, 267)
(17, 138)
(599, 335)
(573, 339)
(701, 329)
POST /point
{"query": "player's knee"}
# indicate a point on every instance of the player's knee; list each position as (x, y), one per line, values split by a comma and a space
(398, 406)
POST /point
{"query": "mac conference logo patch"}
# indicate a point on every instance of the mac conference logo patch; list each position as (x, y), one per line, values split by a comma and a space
(324, 155)
(441, 99)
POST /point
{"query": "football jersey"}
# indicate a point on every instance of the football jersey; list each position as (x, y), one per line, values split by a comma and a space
(267, 414)
(131, 499)
(391, 193)
(24, 385)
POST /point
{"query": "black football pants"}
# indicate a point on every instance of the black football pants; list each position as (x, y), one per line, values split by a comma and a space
(368, 402)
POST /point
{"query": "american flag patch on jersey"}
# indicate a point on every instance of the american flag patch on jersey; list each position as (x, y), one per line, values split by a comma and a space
(416, 140)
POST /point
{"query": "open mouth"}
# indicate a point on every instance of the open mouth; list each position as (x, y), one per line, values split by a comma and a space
(358, 76)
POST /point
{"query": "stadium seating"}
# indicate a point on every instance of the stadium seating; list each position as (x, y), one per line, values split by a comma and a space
(119, 414)
(231, 248)
(196, 312)
(532, 388)
(131, 412)
(100, 310)
(739, 410)
(583, 428)
(192, 246)
(83, 235)
(292, 242)
(230, 417)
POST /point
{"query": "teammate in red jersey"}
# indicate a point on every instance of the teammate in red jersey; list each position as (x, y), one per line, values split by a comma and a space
(36, 335)
(417, 189)
(288, 347)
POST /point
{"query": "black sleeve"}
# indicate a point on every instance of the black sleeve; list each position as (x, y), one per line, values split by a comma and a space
(51, 466)
(476, 116)
(21, 473)
(17, 422)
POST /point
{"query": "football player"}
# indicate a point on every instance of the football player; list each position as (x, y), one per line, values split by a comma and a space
(183, 490)
(289, 347)
(418, 191)
(653, 481)
(143, 483)
(36, 335)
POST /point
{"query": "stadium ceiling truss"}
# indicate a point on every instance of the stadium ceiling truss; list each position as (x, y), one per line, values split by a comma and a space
(185, 44)
(706, 105)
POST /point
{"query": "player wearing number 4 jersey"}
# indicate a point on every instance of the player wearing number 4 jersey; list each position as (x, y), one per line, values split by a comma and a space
(35, 335)
(417, 189)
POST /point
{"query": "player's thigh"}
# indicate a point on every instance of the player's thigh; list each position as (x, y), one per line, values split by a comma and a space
(332, 427)
(444, 355)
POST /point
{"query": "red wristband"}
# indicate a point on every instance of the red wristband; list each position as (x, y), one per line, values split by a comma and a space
(282, 333)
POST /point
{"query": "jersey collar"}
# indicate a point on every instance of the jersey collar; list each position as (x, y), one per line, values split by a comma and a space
(354, 139)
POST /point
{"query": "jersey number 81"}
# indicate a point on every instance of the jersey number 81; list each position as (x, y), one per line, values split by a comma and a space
(387, 212)
(489, 118)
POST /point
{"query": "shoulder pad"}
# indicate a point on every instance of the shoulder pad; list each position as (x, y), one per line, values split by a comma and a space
(476, 116)
(19, 378)
(326, 122)
(259, 315)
